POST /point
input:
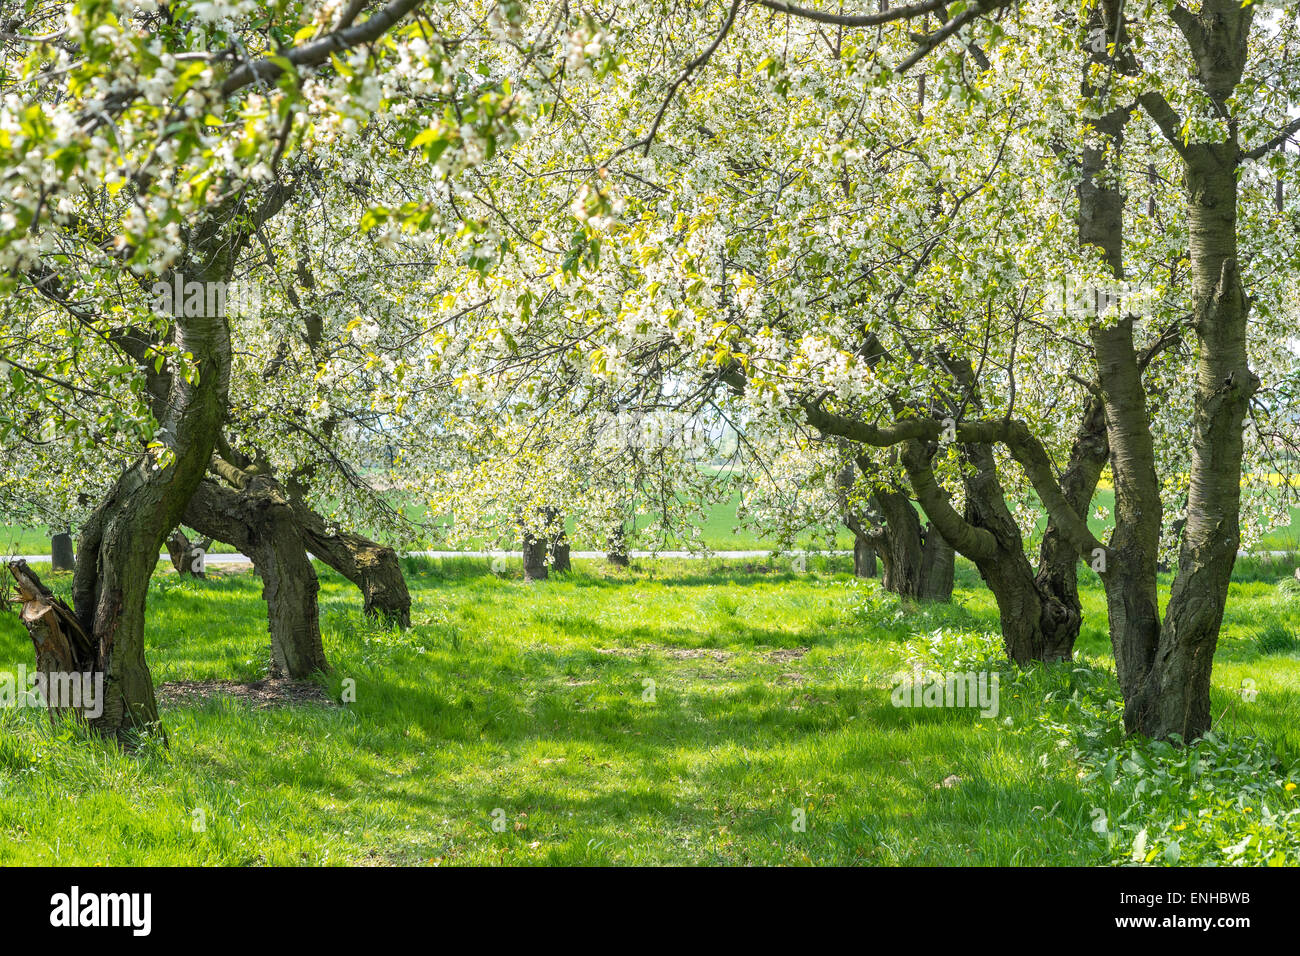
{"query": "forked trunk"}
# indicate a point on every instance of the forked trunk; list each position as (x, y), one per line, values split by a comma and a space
(1036, 626)
(918, 562)
(259, 521)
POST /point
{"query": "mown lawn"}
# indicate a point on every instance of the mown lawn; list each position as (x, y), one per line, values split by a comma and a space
(677, 712)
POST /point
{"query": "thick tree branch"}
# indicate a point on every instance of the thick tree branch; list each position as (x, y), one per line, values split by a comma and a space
(1280, 139)
(1165, 117)
(318, 51)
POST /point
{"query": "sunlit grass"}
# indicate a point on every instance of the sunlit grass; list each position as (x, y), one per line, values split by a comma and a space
(677, 712)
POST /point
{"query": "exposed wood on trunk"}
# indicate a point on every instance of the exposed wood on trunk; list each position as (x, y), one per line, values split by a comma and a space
(64, 651)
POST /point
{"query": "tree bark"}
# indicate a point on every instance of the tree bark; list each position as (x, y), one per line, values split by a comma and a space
(372, 567)
(560, 562)
(259, 521)
(1035, 624)
(918, 563)
(546, 549)
(1058, 556)
(119, 547)
(118, 550)
(900, 548)
(864, 547)
(1176, 699)
(64, 651)
(1171, 697)
(617, 553)
(1129, 576)
(938, 566)
(62, 556)
(535, 548)
(1127, 566)
(864, 557)
(188, 556)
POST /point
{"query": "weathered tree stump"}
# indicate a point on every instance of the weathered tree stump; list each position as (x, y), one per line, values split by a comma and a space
(64, 653)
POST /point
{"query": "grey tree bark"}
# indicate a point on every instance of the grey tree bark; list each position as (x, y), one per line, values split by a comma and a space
(62, 556)
(259, 520)
(188, 557)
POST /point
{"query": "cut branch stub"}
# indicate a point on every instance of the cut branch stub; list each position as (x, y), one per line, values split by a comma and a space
(63, 649)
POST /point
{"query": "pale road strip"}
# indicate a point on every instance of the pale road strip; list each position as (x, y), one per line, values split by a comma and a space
(220, 558)
(227, 558)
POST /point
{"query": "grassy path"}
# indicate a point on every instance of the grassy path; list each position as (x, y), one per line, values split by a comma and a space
(674, 713)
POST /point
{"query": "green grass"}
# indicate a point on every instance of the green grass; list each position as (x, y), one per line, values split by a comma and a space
(720, 531)
(529, 705)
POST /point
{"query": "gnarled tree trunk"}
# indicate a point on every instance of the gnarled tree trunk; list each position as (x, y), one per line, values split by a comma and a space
(372, 567)
(259, 521)
(918, 563)
(188, 557)
(1058, 558)
(1036, 626)
(119, 547)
